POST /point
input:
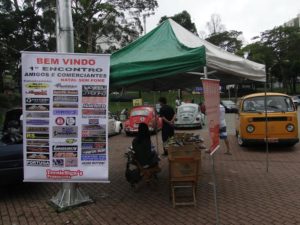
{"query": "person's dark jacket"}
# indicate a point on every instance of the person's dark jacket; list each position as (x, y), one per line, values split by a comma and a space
(143, 153)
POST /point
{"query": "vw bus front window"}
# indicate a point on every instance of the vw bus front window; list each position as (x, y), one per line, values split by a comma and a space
(274, 104)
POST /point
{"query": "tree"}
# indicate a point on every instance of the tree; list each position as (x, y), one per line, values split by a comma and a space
(228, 40)
(112, 21)
(284, 43)
(184, 19)
(20, 29)
(30, 25)
(215, 24)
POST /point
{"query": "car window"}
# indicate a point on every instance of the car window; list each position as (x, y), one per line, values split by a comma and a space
(274, 104)
(187, 109)
(141, 112)
(228, 102)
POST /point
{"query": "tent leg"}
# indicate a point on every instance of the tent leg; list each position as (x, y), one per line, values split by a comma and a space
(156, 131)
(205, 72)
(266, 129)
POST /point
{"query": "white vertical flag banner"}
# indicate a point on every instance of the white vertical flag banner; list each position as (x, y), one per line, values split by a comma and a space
(65, 105)
(212, 104)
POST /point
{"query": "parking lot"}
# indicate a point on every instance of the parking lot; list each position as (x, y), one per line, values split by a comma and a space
(247, 193)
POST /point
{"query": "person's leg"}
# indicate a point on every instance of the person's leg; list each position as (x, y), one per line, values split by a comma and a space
(227, 146)
(164, 135)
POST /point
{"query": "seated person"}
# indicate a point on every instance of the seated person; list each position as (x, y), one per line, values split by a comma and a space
(141, 145)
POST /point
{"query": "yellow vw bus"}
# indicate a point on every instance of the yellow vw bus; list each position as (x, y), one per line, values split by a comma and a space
(282, 121)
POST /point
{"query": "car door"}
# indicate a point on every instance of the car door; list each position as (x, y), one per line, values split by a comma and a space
(111, 124)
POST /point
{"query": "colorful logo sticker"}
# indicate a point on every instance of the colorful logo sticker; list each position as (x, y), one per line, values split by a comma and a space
(70, 86)
(37, 163)
(65, 92)
(64, 112)
(36, 85)
(37, 114)
(37, 149)
(37, 100)
(65, 98)
(37, 107)
(60, 121)
(37, 122)
(36, 92)
(65, 105)
(71, 121)
(65, 132)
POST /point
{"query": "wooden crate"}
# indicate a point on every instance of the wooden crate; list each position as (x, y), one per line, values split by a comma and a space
(183, 169)
(186, 151)
(183, 136)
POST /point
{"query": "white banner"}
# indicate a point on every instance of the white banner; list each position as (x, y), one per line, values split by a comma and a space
(65, 105)
(212, 105)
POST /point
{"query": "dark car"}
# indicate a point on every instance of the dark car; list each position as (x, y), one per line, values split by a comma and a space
(11, 149)
(230, 106)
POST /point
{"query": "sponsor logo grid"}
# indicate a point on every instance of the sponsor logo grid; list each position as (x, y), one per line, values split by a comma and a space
(65, 121)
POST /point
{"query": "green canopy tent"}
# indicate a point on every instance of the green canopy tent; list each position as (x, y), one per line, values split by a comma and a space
(156, 61)
(171, 57)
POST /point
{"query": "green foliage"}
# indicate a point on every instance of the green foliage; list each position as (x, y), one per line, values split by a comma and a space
(278, 49)
(228, 40)
(104, 26)
(10, 101)
(151, 98)
(184, 19)
(30, 25)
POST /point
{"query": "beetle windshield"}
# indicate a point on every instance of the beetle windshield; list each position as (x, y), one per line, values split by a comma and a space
(142, 112)
(274, 104)
(186, 109)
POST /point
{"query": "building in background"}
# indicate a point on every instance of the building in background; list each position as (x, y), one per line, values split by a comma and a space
(295, 22)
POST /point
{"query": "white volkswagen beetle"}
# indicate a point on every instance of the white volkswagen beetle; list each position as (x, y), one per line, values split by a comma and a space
(189, 115)
(114, 126)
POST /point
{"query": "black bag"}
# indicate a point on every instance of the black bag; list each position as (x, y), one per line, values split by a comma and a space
(133, 175)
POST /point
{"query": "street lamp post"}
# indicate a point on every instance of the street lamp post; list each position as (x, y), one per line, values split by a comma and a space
(69, 194)
(144, 19)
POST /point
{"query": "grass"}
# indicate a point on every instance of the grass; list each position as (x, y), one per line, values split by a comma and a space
(151, 98)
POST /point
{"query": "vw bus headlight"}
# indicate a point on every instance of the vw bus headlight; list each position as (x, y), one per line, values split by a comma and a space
(250, 128)
(290, 127)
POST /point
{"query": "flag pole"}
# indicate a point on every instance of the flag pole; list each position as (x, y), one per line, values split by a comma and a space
(213, 169)
(69, 194)
(266, 128)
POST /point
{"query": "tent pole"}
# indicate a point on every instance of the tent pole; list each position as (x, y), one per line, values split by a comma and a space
(266, 129)
(156, 131)
(215, 189)
(205, 72)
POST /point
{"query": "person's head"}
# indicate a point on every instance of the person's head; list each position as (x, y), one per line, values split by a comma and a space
(143, 131)
(162, 100)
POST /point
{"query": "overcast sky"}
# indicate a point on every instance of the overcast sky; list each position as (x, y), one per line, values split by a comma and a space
(249, 16)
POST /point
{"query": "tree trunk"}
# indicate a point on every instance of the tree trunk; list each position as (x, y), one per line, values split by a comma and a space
(284, 78)
(16, 5)
(89, 38)
(294, 84)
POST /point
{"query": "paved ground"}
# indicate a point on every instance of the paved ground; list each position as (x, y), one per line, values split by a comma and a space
(247, 194)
